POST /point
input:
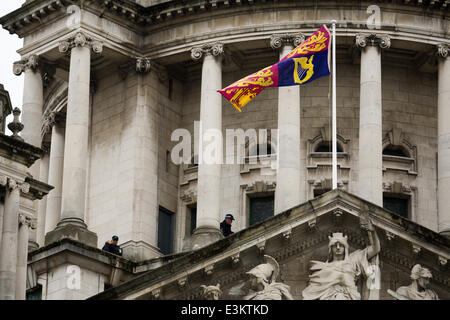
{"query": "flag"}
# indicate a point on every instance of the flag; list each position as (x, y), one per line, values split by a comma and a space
(307, 62)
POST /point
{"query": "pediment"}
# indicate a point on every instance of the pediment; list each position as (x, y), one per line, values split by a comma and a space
(294, 238)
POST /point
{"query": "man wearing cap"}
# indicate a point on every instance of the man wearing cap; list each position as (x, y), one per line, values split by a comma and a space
(225, 225)
(112, 246)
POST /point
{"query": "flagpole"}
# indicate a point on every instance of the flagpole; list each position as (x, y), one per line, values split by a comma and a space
(334, 133)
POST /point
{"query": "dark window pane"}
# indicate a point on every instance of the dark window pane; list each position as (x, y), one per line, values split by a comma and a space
(193, 219)
(34, 293)
(394, 151)
(318, 192)
(327, 147)
(396, 205)
(165, 231)
(261, 209)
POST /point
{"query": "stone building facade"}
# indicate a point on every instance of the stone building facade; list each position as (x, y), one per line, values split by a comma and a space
(108, 82)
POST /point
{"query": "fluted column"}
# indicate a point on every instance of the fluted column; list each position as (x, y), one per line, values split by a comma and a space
(209, 175)
(444, 139)
(25, 224)
(76, 142)
(55, 171)
(370, 117)
(8, 247)
(289, 190)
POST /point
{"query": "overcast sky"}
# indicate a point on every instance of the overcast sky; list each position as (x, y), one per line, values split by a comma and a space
(10, 43)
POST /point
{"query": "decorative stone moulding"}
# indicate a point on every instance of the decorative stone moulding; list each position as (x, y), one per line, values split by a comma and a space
(278, 40)
(80, 40)
(372, 39)
(214, 49)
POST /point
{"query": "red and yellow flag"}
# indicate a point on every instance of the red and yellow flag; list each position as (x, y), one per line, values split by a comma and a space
(307, 62)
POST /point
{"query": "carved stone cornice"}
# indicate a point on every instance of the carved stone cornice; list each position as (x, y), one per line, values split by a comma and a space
(31, 62)
(80, 40)
(442, 50)
(214, 49)
(279, 40)
(381, 40)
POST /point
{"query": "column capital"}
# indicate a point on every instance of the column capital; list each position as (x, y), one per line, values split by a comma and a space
(442, 50)
(26, 219)
(279, 40)
(50, 119)
(214, 49)
(143, 65)
(80, 40)
(372, 39)
(31, 62)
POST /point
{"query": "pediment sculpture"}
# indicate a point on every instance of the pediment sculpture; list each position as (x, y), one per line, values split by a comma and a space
(336, 278)
(418, 289)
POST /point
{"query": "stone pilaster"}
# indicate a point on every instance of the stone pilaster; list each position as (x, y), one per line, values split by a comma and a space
(370, 118)
(290, 187)
(42, 204)
(209, 174)
(76, 142)
(8, 246)
(443, 52)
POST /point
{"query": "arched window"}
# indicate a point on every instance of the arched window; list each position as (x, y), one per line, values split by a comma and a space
(397, 151)
(325, 146)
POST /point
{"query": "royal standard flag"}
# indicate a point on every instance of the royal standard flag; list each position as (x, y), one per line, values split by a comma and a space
(307, 62)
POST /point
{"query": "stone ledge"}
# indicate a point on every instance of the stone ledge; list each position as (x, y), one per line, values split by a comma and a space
(76, 233)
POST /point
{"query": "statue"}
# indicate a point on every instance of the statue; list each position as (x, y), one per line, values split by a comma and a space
(212, 292)
(263, 285)
(336, 278)
(418, 289)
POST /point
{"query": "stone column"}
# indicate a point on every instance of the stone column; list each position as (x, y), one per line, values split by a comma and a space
(25, 224)
(42, 204)
(370, 117)
(76, 142)
(444, 139)
(55, 172)
(209, 175)
(290, 190)
(8, 247)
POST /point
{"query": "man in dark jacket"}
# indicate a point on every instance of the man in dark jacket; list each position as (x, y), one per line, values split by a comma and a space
(111, 246)
(225, 225)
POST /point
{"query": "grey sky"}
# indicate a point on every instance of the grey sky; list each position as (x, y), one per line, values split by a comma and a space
(10, 44)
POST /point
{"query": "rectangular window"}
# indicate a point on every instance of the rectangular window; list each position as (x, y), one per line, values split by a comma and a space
(165, 230)
(397, 204)
(34, 293)
(261, 208)
(193, 219)
(318, 192)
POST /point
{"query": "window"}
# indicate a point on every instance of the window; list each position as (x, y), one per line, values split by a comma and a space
(165, 230)
(325, 146)
(398, 204)
(318, 192)
(193, 219)
(261, 208)
(396, 151)
(34, 293)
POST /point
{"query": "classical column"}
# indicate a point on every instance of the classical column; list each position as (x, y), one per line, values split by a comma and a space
(209, 174)
(55, 171)
(289, 190)
(42, 204)
(370, 117)
(25, 224)
(8, 247)
(444, 139)
(76, 142)
(32, 99)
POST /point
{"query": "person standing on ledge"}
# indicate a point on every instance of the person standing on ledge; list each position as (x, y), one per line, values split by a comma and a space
(225, 225)
(112, 246)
